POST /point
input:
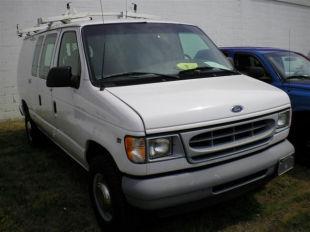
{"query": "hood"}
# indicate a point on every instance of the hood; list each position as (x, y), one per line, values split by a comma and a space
(196, 101)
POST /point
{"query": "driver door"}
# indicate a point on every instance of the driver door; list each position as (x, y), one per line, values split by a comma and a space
(65, 98)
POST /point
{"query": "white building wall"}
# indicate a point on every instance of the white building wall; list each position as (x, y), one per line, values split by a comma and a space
(227, 22)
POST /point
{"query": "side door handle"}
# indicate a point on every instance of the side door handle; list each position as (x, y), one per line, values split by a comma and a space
(55, 107)
(40, 100)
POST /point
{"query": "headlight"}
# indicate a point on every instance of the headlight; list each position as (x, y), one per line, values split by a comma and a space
(135, 149)
(159, 147)
(141, 150)
(284, 119)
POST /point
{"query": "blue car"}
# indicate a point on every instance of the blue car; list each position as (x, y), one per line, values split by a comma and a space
(287, 70)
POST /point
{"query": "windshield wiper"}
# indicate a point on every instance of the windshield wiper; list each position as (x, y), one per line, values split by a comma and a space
(297, 77)
(204, 70)
(134, 76)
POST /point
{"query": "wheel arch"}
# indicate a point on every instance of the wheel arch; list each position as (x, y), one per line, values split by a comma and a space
(94, 149)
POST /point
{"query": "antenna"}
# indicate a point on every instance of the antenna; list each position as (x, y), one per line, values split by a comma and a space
(289, 51)
(101, 11)
(126, 8)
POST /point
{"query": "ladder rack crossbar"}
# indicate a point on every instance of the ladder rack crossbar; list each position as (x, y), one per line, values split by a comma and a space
(34, 29)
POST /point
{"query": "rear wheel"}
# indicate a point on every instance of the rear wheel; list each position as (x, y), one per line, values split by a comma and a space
(32, 132)
(111, 208)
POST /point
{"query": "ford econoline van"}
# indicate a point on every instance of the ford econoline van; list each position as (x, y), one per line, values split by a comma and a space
(153, 110)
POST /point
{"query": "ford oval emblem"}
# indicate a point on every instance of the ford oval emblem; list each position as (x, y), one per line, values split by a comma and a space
(237, 109)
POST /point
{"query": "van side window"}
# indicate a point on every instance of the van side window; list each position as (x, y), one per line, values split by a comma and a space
(36, 55)
(47, 55)
(69, 53)
(249, 64)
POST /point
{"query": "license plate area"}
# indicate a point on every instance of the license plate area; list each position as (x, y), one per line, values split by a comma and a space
(286, 164)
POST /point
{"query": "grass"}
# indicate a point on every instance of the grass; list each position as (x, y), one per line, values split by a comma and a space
(41, 189)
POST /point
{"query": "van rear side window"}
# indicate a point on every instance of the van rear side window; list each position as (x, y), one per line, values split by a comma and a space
(36, 55)
(47, 55)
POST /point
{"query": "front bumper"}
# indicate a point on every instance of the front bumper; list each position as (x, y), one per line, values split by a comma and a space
(189, 186)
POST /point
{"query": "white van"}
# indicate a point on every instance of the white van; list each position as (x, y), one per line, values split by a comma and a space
(153, 110)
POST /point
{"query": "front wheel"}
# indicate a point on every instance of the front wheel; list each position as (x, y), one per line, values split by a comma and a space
(111, 209)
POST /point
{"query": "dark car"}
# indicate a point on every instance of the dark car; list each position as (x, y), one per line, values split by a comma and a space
(287, 70)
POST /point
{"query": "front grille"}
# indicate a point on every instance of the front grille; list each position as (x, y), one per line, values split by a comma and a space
(221, 142)
(230, 134)
(231, 150)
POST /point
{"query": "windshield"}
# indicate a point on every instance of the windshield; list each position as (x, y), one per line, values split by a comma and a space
(150, 48)
(290, 65)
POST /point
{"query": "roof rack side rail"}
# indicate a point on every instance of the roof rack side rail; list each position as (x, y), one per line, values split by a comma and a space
(68, 17)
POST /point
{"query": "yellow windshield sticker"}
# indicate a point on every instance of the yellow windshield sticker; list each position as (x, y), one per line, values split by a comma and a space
(187, 66)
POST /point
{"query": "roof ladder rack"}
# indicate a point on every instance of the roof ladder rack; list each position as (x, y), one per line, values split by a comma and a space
(70, 15)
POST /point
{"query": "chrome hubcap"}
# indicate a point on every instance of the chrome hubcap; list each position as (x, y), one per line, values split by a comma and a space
(102, 197)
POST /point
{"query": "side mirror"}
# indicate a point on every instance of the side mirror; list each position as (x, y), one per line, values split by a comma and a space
(256, 72)
(59, 77)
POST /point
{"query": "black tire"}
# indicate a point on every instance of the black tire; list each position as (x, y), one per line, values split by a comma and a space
(111, 209)
(33, 134)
